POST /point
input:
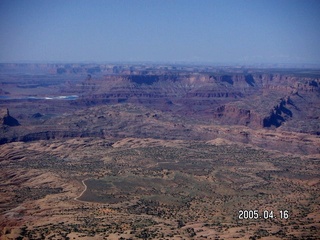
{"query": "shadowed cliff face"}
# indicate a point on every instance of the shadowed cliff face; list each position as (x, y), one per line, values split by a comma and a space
(250, 80)
(8, 120)
(279, 114)
(227, 78)
(148, 80)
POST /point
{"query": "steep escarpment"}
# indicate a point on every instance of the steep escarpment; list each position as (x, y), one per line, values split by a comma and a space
(130, 120)
(242, 80)
(6, 119)
(279, 114)
(180, 99)
(249, 98)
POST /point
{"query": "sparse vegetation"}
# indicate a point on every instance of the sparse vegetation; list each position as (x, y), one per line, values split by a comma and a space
(173, 154)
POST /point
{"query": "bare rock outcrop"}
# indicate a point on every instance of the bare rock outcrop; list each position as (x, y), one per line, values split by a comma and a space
(232, 114)
(6, 119)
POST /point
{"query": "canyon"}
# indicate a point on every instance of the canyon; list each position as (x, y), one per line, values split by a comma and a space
(163, 151)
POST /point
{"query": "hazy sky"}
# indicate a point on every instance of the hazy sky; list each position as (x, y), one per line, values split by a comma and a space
(226, 31)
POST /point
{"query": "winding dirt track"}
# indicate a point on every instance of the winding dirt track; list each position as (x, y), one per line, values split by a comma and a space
(85, 189)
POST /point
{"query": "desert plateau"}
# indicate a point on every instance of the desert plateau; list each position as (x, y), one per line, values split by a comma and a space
(159, 151)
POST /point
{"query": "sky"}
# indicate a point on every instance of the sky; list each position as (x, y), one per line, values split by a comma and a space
(195, 31)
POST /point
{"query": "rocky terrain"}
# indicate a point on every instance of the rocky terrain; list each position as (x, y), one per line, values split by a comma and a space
(102, 151)
(252, 99)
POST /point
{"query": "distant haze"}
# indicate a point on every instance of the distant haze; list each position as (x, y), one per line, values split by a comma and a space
(226, 31)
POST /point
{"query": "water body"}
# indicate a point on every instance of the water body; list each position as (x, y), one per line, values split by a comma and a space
(71, 97)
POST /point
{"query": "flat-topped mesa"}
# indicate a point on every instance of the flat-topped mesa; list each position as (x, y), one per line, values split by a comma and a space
(6, 119)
